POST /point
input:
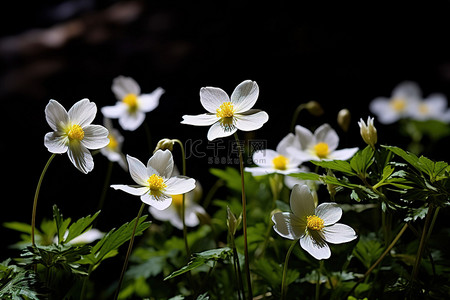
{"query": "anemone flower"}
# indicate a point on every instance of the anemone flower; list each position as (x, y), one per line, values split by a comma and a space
(228, 114)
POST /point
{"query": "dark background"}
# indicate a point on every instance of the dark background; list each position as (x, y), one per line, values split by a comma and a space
(341, 54)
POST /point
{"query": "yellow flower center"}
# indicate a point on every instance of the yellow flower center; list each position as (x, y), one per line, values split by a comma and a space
(398, 104)
(156, 183)
(132, 101)
(321, 150)
(280, 162)
(226, 112)
(314, 222)
(75, 132)
(423, 109)
(113, 143)
(177, 200)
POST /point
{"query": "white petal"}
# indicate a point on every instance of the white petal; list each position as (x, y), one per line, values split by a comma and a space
(339, 233)
(148, 102)
(407, 89)
(217, 131)
(136, 191)
(200, 120)
(179, 185)
(286, 142)
(304, 136)
(123, 86)
(251, 120)
(343, 154)
(259, 171)
(245, 95)
(301, 201)
(162, 163)
(115, 111)
(264, 158)
(165, 214)
(327, 135)
(318, 251)
(56, 115)
(87, 237)
(161, 203)
(95, 137)
(382, 108)
(80, 157)
(301, 155)
(329, 212)
(211, 98)
(131, 122)
(288, 225)
(138, 171)
(83, 112)
(56, 143)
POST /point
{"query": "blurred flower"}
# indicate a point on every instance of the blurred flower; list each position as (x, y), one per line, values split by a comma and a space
(113, 151)
(343, 119)
(314, 227)
(85, 238)
(73, 132)
(280, 161)
(321, 145)
(434, 107)
(314, 108)
(368, 132)
(405, 97)
(156, 186)
(131, 106)
(227, 116)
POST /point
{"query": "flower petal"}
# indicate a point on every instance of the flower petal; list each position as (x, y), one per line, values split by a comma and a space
(115, 111)
(123, 86)
(382, 108)
(301, 201)
(56, 115)
(288, 225)
(408, 90)
(179, 185)
(131, 122)
(251, 120)
(259, 171)
(218, 131)
(343, 154)
(317, 250)
(304, 136)
(264, 158)
(136, 191)
(148, 102)
(138, 171)
(327, 135)
(162, 202)
(83, 112)
(56, 143)
(339, 233)
(329, 212)
(211, 98)
(245, 95)
(162, 163)
(200, 120)
(80, 156)
(95, 137)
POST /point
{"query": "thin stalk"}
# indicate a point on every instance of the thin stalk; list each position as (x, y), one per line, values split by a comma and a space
(237, 268)
(244, 219)
(295, 116)
(36, 195)
(285, 267)
(130, 247)
(105, 185)
(318, 280)
(83, 288)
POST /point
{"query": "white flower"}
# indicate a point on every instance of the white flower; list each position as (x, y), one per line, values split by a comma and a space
(314, 227)
(173, 212)
(131, 106)
(434, 107)
(402, 102)
(73, 132)
(86, 237)
(113, 151)
(368, 131)
(155, 184)
(280, 161)
(321, 145)
(227, 115)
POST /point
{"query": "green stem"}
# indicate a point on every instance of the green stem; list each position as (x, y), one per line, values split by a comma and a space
(295, 116)
(83, 288)
(130, 247)
(318, 280)
(285, 267)
(244, 219)
(105, 185)
(237, 267)
(36, 195)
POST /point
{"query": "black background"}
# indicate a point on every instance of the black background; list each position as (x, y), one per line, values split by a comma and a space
(342, 54)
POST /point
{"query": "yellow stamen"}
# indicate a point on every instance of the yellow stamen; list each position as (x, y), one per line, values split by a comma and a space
(313, 222)
(280, 162)
(75, 132)
(132, 101)
(156, 183)
(322, 150)
(226, 110)
(423, 109)
(177, 200)
(398, 104)
(113, 143)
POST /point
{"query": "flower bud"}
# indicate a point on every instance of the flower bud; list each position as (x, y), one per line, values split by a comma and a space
(343, 119)
(314, 108)
(232, 222)
(164, 144)
(368, 132)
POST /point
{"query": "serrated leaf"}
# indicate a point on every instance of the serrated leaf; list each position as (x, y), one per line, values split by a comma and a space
(362, 160)
(306, 176)
(80, 226)
(336, 165)
(61, 224)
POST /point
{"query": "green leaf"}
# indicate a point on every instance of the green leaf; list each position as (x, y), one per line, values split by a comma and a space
(368, 250)
(362, 160)
(306, 176)
(199, 259)
(80, 226)
(16, 283)
(336, 165)
(61, 224)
